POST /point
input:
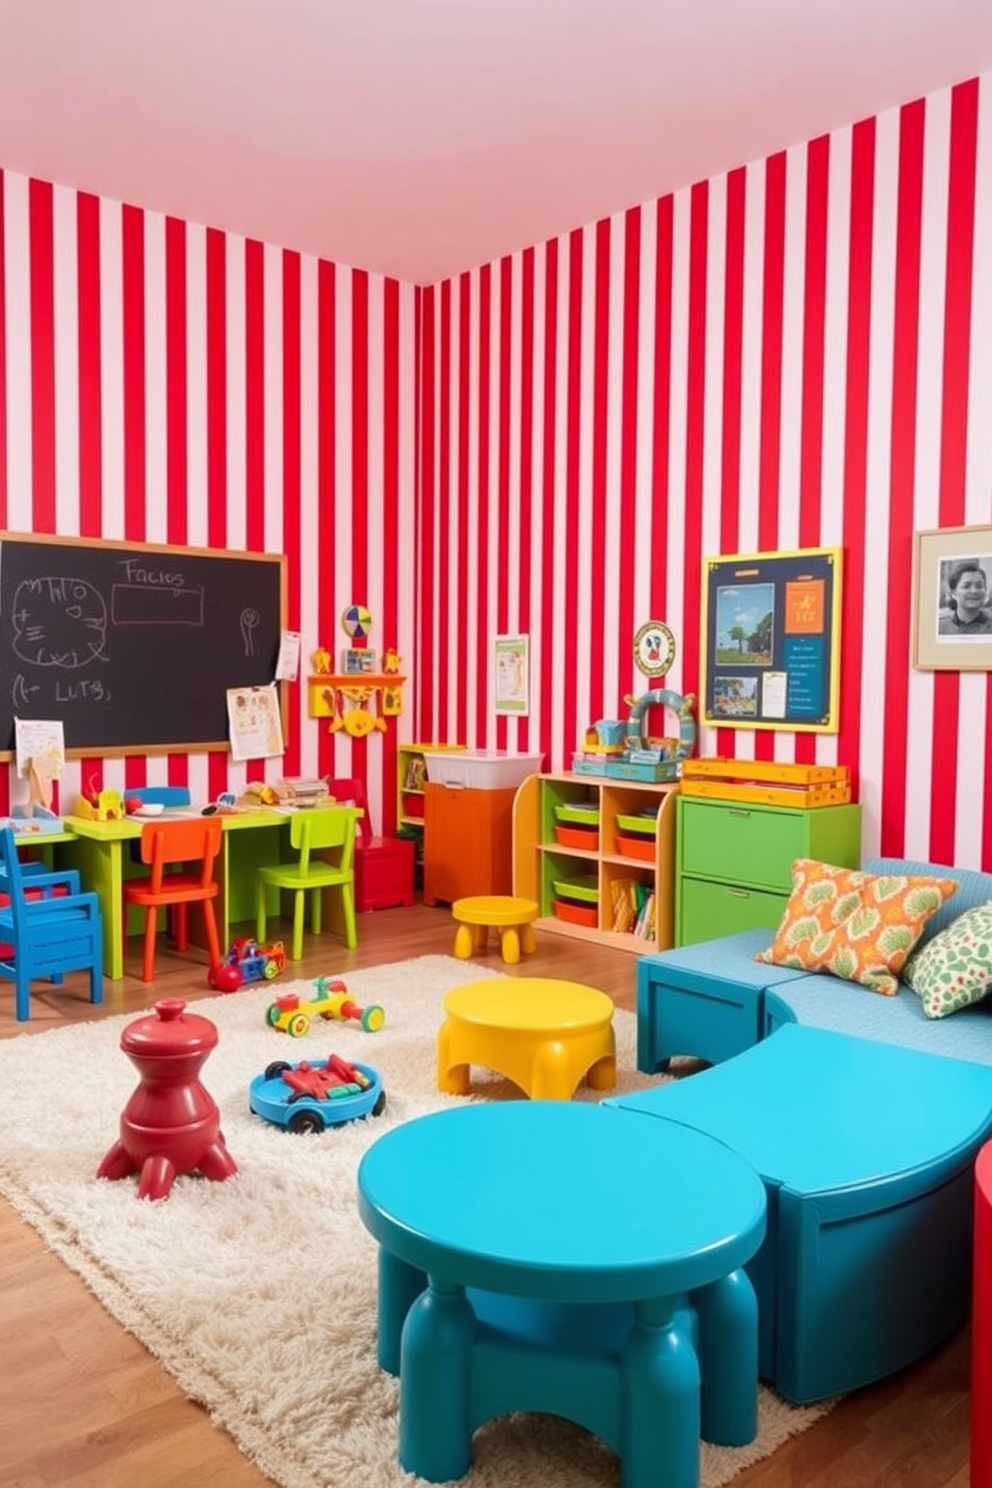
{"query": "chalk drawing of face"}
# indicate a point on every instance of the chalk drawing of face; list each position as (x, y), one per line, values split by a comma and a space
(59, 623)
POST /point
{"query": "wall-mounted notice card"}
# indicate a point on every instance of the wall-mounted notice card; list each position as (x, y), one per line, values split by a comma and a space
(288, 665)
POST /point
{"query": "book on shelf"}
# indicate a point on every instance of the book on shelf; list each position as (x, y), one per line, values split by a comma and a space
(416, 774)
(633, 907)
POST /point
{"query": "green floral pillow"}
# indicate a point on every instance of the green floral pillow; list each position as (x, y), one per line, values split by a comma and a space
(954, 969)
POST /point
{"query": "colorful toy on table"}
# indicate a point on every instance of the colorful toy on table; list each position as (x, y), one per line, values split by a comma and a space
(97, 804)
(247, 961)
(292, 1015)
(315, 1094)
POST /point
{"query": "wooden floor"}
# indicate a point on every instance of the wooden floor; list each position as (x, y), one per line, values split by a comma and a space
(83, 1404)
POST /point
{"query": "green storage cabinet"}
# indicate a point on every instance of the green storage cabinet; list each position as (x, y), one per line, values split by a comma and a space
(734, 860)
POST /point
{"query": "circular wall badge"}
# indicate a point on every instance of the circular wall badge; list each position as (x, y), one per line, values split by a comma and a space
(654, 649)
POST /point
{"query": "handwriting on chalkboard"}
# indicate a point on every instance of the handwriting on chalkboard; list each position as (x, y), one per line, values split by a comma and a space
(59, 623)
(133, 646)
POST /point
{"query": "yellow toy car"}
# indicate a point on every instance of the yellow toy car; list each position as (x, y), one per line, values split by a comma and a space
(292, 1015)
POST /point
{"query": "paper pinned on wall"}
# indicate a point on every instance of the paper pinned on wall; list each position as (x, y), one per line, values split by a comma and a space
(39, 739)
(288, 665)
(254, 721)
(39, 750)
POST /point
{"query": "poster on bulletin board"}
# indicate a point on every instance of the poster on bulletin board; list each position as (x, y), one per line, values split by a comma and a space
(771, 640)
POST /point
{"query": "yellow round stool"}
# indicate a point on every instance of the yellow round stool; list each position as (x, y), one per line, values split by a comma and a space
(544, 1035)
(511, 916)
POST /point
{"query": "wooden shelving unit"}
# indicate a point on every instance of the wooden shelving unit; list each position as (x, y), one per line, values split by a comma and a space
(539, 860)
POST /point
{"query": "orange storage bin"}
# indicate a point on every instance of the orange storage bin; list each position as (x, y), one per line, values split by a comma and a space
(637, 847)
(576, 914)
(583, 838)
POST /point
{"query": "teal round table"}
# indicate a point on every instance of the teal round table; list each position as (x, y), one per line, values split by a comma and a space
(571, 1259)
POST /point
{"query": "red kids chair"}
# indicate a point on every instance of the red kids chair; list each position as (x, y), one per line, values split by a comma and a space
(383, 865)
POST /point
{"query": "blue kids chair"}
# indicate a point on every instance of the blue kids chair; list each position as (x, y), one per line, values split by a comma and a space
(46, 932)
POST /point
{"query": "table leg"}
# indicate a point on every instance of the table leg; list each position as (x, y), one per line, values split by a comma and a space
(510, 946)
(453, 1077)
(659, 1401)
(100, 870)
(435, 1384)
(528, 940)
(399, 1287)
(727, 1313)
(463, 943)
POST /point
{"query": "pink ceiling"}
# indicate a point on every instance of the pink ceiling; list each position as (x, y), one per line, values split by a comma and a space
(421, 137)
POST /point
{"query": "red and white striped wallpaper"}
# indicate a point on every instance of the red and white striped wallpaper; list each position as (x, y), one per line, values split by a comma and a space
(164, 382)
(795, 354)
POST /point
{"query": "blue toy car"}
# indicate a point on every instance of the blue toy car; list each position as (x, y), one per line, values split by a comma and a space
(315, 1094)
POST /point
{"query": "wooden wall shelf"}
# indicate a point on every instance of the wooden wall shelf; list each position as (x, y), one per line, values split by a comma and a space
(358, 702)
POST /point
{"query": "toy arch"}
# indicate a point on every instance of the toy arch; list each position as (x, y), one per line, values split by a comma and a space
(660, 697)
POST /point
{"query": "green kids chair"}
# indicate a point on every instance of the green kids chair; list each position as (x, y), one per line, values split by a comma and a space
(331, 834)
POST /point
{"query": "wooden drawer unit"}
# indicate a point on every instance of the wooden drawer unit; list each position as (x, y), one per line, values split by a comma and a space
(733, 861)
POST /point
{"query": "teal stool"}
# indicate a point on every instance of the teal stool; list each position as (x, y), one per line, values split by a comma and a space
(558, 1257)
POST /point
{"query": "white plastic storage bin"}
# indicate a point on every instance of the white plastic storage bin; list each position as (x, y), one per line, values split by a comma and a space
(481, 769)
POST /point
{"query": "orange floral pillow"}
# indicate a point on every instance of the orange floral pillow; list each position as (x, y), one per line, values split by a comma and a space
(859, 926)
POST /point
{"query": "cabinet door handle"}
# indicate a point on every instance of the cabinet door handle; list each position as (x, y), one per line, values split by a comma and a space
(740, 893)
(738, 811)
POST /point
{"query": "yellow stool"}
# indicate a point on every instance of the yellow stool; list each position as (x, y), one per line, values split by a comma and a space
(512, 917)
(542, 1034)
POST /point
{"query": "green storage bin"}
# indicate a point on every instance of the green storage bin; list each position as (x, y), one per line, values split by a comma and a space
(581, 813)
(584, 887)
(641, 822)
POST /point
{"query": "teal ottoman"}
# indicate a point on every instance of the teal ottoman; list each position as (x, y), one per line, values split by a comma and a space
(705, 1000)
(866, 1151)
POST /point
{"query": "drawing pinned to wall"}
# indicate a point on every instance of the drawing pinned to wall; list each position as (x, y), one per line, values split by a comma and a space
(255, 722)
(40, 756)
(512, 675)
(771, 637)
(288, 665)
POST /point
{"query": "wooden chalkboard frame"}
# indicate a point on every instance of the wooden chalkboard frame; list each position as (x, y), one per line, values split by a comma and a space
(202, 560)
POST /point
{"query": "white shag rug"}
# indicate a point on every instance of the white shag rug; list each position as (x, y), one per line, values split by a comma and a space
(258, 1294)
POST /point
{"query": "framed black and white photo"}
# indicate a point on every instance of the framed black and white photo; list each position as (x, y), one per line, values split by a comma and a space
(952, 600)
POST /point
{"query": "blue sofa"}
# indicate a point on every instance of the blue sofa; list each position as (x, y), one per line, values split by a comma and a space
(863, 1118)
(713, 1000)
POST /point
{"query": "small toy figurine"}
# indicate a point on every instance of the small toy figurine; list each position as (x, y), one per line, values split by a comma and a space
(291, 1015)
(391, 660)
(321, 661)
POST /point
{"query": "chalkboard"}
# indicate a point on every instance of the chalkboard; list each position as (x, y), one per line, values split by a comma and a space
(133, 646)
